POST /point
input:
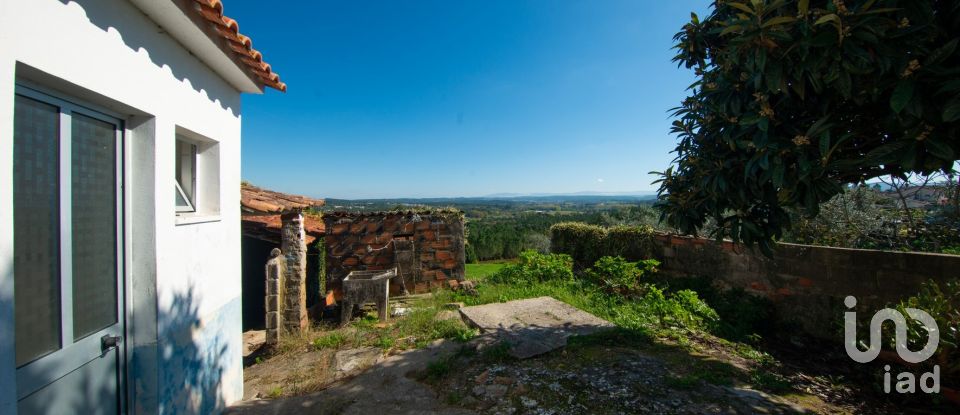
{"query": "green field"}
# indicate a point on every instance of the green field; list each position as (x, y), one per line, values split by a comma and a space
(479, 272)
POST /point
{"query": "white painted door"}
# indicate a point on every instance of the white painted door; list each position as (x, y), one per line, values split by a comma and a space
(68, 261)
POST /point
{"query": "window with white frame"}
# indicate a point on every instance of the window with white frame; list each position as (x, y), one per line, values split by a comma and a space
(186, 175)
(197, 174)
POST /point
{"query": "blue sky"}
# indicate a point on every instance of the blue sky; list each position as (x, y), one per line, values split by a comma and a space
(462, 98)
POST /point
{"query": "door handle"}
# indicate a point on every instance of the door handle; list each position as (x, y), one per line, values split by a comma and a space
(108, 342)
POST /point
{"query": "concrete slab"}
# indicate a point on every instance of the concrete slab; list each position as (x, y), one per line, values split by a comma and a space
(533, 326)
(353, 361)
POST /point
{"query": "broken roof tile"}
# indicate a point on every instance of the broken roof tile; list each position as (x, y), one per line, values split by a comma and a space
(267, 227)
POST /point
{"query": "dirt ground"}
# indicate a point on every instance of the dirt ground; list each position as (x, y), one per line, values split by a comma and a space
(611, 372)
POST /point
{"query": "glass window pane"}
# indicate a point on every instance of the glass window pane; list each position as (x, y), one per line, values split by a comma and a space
(36, 228)
(182, 204)
(94, 212)
(186, 169)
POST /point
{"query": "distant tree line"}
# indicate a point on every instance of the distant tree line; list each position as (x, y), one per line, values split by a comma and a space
(506, 234)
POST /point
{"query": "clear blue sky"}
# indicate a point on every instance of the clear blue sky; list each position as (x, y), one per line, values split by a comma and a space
(462, 98)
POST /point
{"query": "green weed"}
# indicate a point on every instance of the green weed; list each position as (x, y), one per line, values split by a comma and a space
(497, 353)
(769, 381)
(329, 341)
(385, 342)
(275, 393)
(535, 267)
(437, 370)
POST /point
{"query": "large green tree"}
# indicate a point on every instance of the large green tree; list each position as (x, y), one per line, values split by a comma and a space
(794, 99)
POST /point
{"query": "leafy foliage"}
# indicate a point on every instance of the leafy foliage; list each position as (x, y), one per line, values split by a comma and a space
(682, 308)
(618, 276)
(536, 267)
(634, 243)
(741, 316)
(953, 250)
(855, 218)
(582, 242)
(588, 243)
(552, 275)
(862, 217)
(943, 303)
(796, 98)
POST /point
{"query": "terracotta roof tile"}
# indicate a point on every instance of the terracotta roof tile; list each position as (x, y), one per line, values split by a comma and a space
(242, 46)
(267, 227)
(262, 201)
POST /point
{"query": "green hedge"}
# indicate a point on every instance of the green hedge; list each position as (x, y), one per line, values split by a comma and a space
(588, 243)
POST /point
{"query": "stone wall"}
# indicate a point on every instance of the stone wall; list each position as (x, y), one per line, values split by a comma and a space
(428, 248)
(273, 296)
(807, 284)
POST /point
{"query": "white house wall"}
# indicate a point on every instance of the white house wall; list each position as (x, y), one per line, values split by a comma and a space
(183, 279)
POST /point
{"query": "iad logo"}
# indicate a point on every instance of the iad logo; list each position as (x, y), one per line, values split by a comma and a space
(906, 381)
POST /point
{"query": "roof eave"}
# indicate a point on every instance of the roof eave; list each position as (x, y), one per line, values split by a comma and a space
(182, 23)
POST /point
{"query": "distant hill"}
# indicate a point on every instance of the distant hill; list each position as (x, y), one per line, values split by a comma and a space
(575, 194)
(503, 200)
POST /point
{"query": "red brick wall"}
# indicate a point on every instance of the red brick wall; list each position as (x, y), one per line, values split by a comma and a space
(807, 284)
(363, 241)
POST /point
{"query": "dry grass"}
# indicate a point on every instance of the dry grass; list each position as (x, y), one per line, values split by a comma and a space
(302, 362)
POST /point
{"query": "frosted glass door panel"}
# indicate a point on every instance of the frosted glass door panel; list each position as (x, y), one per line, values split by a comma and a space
(36, 228)
(94, 223)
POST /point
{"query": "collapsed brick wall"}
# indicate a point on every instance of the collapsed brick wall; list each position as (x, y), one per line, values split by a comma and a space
(807, 284)
(376, 241)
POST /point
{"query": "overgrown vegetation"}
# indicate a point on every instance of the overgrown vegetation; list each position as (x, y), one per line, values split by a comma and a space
(741, 316)
(632, 295)
(650, 313)
(417, 329)
(620, 277)
(942, 301)
(675, 320)
(622, 292)
(535, 267)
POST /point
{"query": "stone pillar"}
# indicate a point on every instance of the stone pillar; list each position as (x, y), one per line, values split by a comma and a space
(274, 290)
(294, 247)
